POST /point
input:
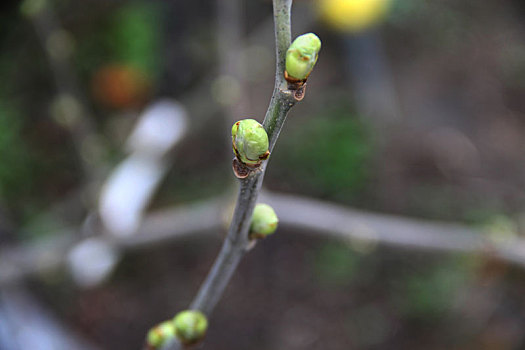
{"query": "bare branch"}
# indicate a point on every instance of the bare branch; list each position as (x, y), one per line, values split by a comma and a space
(237, 241)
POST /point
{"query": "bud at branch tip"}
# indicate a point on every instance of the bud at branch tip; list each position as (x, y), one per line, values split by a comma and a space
(301, 57)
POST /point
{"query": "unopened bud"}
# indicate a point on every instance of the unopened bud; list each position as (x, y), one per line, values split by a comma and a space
(302, 55)
(264, 221)
(161, 334)
(250, 142)
(190, 326)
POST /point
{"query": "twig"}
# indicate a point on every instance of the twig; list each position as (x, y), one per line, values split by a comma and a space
(237, 241)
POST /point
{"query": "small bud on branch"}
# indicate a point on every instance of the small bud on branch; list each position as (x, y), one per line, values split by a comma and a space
(264, 221)
(250, 142)
(160, 334)
(190, 326)
(301, 56)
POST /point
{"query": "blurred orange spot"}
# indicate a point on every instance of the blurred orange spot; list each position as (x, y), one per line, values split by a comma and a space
(120, 86)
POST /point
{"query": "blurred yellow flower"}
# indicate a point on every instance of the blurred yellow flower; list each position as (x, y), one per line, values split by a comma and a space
(352, 15)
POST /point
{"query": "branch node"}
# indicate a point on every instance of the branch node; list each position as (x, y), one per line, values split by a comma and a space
(242, 171)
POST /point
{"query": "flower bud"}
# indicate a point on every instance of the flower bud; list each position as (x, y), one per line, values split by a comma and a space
(264, 221)
(160, 334)
(250, 142)
(301, 56)
(190, 326)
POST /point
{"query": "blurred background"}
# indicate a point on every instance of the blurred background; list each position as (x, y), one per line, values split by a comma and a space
(116, 182)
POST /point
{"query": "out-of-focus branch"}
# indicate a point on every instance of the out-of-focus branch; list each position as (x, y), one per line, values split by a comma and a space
(308, 216)
(329, 220)
(130, 187)
(29, 325)
(336, 221)
(23, 261)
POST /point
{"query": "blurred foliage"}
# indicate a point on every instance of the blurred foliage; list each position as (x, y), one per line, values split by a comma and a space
(368, 325)
(133, 41)
(326, 155)
(15, 167)
(513, 66)
(335, 264)
(135, 36)
(446, 22)
(184, 186)
(200, 169)
(129, 37)
(432, 290)
(500, 228)
(121, 86)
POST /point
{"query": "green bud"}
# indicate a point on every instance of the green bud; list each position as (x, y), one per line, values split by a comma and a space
(250, 142)
(301, 56)
(190, 326)
(264, 221)
(160, 334)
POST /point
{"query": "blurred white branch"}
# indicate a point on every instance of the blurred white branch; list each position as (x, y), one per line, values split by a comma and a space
(306, 215)
(26, 324)
(132, 184)
(352, 225)
(91, 261)
(22, 261)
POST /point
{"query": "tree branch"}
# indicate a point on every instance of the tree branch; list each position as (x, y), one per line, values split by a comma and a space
(351, 225)
(307, 215)
(237, 241)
